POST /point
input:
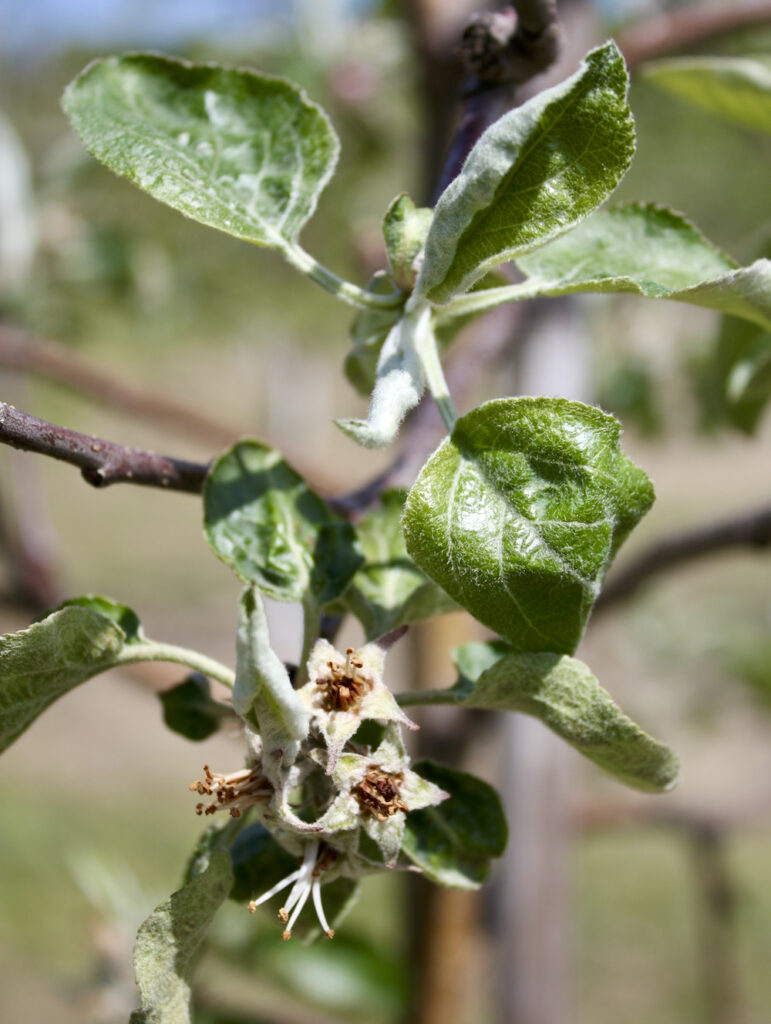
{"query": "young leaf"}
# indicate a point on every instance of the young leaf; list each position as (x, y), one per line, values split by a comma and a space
(734, 88)
(565, 696)
(42, 663)
(519, 512)
(263, 520)
(190, 710)
(535, 173)
(454, 842)
(389, 590)
(369, 330)
(405, 227)
(170, 939)
(399, 383)
(651, 251)
(263, 690)
(246, 153)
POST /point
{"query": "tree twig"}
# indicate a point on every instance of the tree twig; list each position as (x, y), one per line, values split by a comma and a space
(693, 25)
(500, 50)
(101, 462)
(20, 350)
(749, 530)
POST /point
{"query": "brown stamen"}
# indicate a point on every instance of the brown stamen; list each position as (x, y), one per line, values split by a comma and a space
(378, 793)
(344, 685)
(235, 792)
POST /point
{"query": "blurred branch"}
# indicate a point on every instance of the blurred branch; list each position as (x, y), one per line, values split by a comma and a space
(101, 462)
(20, 350)
(751, 530)
(499, 50)
(678, 30)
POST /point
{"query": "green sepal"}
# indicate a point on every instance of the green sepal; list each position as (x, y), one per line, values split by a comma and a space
(454, 842)
(518, 514)
(262, 519)
(243, 152)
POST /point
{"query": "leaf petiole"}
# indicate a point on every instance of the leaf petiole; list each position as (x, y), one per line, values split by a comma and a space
(345, 290)
(428, 354)
(480, 302)
(151, 651)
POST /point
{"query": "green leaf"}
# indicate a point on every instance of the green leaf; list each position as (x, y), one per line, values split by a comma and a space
(651, 251)
(170, 939)
(42, 663)
(535, 173)
(565, 696)
(734, 88)
(263, 690)
(263, 520)
(454, 842)
(190, 710)
(246, 153)
(123, 617)
(518, 514)
(405, 227)
(389, 590)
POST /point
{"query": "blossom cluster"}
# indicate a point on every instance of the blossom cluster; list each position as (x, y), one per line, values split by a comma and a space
(335, 798)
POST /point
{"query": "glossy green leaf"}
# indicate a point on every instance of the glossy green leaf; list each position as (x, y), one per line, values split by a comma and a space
(535, 173)
(190, 710)
(170, 940)
(518, 514)
(405, 227)
(389, 590)
(263, 693)
(263, 520)
(734, 88)
(243, 152)
(454, 842)
(565, 696)
(42, 663)
(650, 251)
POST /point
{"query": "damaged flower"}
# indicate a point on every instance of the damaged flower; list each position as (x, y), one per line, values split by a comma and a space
(344, 690)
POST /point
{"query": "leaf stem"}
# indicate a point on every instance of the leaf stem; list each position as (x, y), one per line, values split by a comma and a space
(415, 697)
(151, 651)
(479, 302)
(428, 354)
(345, 290)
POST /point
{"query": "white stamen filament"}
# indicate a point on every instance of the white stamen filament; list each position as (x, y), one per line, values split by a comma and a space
(316, 891)
(276, 888)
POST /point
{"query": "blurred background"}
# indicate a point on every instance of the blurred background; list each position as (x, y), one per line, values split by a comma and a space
(608, 905)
